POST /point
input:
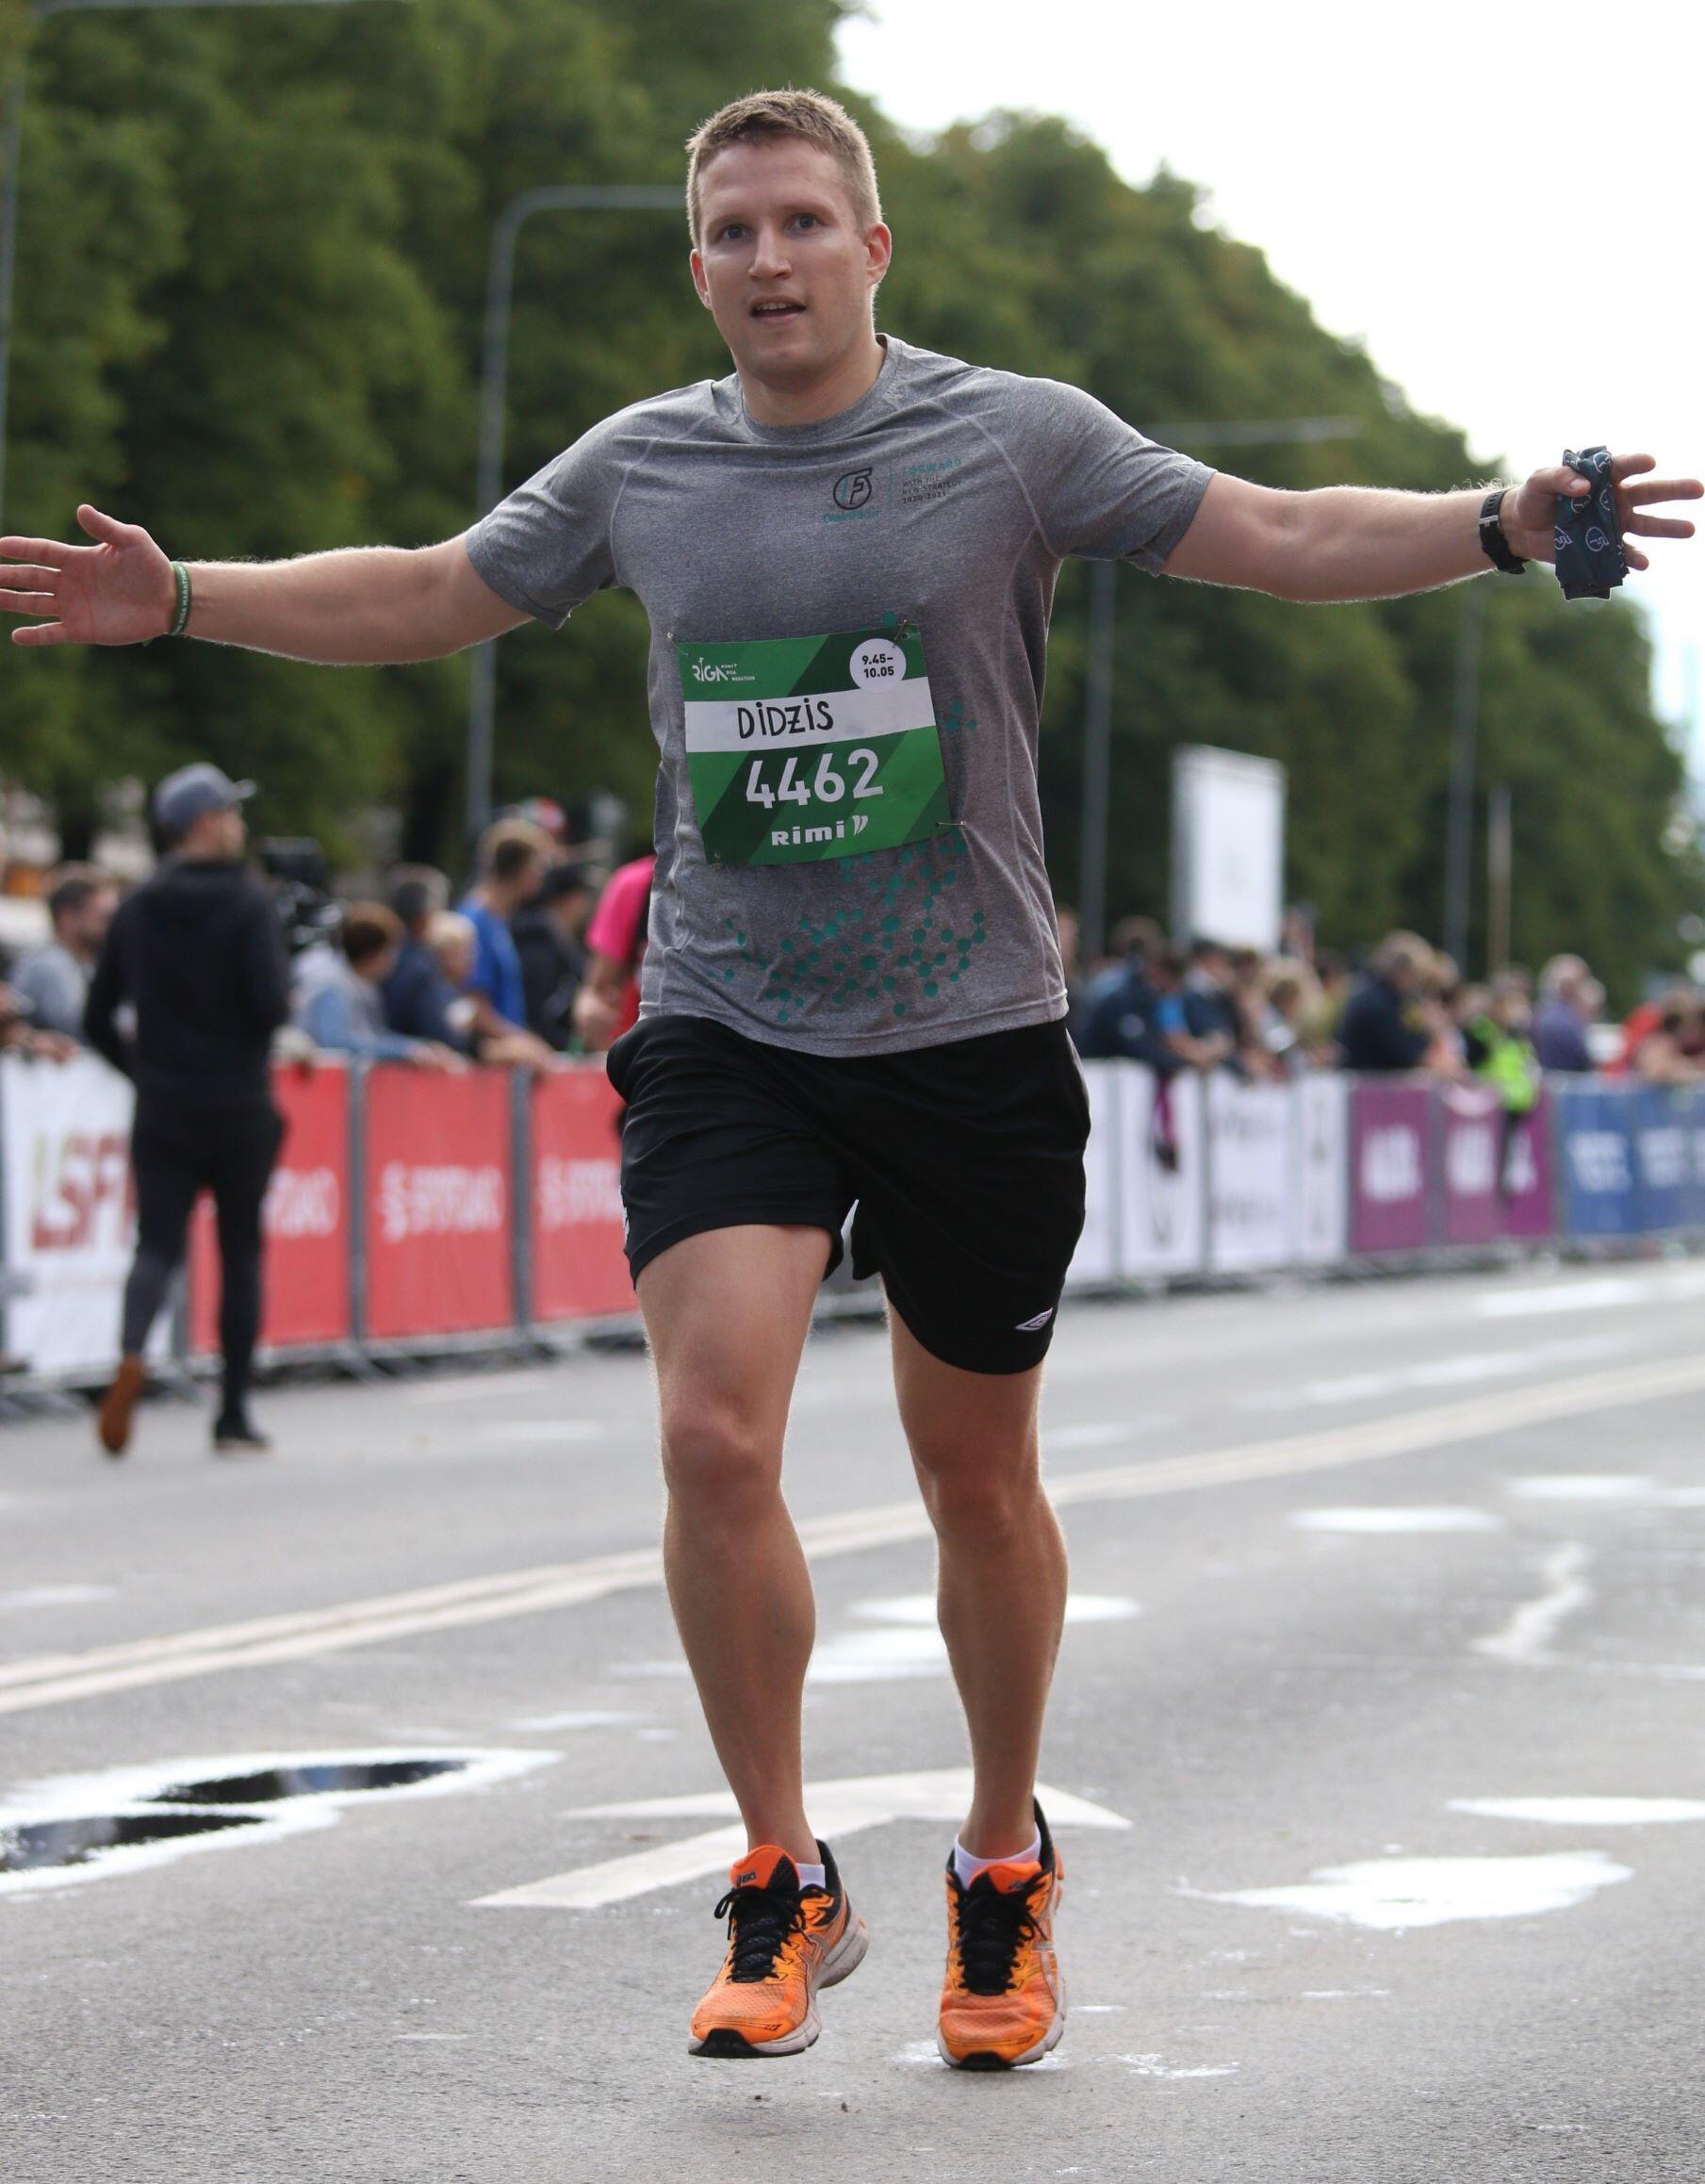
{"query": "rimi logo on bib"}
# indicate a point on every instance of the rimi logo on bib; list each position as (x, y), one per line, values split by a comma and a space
(805, 748)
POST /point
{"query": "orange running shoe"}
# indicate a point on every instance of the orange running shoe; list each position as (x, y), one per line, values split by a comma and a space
(784, 1944)
(112, 1424)
(1003, 2001)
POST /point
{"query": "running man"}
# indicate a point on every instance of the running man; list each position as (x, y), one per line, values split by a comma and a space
(847, 549)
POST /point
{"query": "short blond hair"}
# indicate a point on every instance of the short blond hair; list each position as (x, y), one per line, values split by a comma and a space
(761, 117)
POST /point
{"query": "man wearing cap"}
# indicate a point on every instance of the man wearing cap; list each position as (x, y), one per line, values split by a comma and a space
(198, 955)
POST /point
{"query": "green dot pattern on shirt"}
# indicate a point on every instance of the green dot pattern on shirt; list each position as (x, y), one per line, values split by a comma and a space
(890, 938)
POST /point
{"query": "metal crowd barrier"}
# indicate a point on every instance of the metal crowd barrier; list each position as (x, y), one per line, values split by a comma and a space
(419, 1214)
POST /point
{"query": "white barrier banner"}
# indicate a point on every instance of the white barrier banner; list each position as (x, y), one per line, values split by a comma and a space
(1096, 1259)
(1162, 1197)
(1320, 1201)
(70, 1220)
(1249, 1174)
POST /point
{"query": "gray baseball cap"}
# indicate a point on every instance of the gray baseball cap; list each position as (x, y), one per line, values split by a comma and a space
(183, 797)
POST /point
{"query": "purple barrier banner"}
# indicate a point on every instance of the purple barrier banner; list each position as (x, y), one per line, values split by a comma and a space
(1530, 1175)
(1388, 1130)
(1471, 1142)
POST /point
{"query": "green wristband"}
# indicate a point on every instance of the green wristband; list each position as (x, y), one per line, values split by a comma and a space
(186, 599)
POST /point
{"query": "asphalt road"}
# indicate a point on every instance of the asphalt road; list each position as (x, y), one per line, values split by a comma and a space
(1375, 1762)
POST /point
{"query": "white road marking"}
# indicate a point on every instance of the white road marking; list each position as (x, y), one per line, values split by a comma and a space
(55, 1596)
(839, 1808)
(1526, 1638)
(1395, 1520)
(1105, 1434)
(1393, 1894)
(1463, 1367)
(1157, 2066)
(1632, 1487)
(528, 1433)
(53, 1679)
(1585, 1811)
(908, 1643)
(473, 1387)
(577, 1718)
(1608, 1292)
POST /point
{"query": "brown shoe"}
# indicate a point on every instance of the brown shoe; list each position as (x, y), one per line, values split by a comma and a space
(113, 1424)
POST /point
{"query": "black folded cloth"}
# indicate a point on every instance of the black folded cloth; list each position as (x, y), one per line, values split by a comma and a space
(1590, 560)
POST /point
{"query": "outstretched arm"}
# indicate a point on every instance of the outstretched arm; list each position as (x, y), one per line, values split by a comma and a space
(367, 606)
(1351, 542)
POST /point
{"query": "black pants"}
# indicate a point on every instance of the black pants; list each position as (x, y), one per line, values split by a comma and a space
(177, 1152)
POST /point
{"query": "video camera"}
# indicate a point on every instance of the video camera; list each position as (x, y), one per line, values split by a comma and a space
(295, 870)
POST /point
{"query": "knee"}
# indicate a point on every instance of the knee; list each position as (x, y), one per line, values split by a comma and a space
(978, 1501)
(718, 1459)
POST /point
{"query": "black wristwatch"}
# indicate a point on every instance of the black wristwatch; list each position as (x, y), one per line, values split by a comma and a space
(1495, 546)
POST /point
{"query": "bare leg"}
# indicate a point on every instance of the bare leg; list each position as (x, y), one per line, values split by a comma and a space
(1001, 1583)
(727, 1313)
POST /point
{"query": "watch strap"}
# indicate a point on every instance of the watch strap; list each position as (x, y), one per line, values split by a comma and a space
(1494, 544)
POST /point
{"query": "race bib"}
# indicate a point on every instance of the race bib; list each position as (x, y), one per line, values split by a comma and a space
(805, 748)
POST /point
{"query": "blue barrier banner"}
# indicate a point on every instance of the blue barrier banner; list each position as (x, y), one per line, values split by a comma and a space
(1695, 1181)
(1663, 1122)
(1595, 1138)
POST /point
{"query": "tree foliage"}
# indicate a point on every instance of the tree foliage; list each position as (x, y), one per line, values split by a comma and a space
(253, 257)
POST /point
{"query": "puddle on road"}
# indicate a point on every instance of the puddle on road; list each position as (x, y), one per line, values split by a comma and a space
(345, 1778)
(41, 1844)
(81, 1827)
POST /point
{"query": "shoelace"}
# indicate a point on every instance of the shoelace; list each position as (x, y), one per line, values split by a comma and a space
(761, 1923)
(993, 1925)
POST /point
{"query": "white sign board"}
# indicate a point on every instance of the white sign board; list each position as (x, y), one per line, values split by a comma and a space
(1249, 1174)
(1228, 848)
(1096, 1259)
(1320, 1201)
(69, 1224)
(1162, 1173)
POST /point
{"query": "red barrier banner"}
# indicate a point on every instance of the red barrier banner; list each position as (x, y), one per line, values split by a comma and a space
(306, 1222)
(579, 1271)
(440, 1229)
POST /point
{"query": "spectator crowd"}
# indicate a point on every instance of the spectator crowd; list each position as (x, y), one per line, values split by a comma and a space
(539, 957)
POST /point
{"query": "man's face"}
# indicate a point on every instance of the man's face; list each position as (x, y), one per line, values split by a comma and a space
(782, 262)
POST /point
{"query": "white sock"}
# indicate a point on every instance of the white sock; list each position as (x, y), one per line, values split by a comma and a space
(809, 1877)
(967, 1867)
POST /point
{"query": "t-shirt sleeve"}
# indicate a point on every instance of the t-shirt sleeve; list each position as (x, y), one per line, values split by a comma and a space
(1101, 490)
(547, 547)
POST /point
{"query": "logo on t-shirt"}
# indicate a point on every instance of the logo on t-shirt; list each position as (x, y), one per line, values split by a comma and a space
(853, 488)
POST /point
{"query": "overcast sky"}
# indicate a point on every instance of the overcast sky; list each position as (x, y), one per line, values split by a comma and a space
(1503, 199)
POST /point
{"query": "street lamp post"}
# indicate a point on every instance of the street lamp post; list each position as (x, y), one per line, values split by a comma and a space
(1098, 710)
(493, 390)
(12, 152)
(1464, 734)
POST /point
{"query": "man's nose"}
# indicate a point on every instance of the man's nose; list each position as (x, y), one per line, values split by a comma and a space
(771, 257)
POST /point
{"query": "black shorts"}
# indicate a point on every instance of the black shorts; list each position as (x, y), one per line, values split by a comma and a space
(964, 1161)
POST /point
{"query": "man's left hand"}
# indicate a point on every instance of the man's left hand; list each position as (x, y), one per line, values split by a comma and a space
(1529, 511)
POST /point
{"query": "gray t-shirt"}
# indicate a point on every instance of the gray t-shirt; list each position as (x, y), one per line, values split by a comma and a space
(939, 507)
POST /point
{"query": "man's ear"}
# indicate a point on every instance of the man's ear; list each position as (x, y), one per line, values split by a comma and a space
(697, 266)
(878, 252)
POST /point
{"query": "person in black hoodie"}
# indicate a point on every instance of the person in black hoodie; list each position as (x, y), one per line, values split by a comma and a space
(197, 957)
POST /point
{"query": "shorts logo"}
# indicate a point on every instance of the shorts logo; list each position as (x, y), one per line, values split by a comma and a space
(1031, 1326)
(852, 489)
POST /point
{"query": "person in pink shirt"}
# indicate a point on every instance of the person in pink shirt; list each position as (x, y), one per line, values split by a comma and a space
(608, 1002)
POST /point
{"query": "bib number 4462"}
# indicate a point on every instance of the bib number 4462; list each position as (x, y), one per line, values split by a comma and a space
(829, 784)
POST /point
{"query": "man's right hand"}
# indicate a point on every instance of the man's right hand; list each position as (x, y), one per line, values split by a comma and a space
(120, 591)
